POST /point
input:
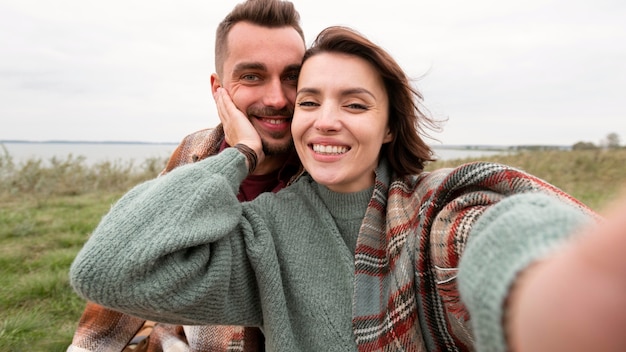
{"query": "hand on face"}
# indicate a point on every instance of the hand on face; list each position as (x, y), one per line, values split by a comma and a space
(237, 127)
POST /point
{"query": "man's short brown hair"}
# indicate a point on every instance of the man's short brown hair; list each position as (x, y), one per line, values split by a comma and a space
(265, 13)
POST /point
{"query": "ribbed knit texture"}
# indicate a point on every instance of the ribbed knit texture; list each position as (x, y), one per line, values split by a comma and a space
(182, 249)
(103, 329)
(348, 211)
(230, 272)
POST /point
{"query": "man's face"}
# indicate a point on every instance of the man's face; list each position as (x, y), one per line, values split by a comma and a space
(260, 73)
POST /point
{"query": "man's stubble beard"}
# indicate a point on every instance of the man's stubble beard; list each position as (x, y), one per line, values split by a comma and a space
(274, 150)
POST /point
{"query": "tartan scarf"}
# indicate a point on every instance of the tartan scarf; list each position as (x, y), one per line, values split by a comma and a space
(408, 250)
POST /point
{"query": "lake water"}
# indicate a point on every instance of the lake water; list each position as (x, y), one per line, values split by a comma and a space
(137, 153)
(92, 152)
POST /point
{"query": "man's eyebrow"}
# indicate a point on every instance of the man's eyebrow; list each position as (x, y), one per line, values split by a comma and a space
(292, 68)
(258, 66)
(243, 66)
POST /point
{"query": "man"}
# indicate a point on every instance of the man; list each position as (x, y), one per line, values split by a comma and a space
(258, 49)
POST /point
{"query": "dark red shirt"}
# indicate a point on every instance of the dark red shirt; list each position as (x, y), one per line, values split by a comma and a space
(253, 185)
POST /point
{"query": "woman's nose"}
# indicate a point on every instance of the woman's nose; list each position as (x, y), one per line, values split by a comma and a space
(327, 120)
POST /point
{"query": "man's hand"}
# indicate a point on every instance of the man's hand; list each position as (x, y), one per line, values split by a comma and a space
(237, 127)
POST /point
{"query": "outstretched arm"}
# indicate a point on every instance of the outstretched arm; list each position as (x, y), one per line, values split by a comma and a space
(576, 299)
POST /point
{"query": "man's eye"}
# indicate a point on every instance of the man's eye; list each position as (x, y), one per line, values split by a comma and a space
(250, 77)
(291, 77)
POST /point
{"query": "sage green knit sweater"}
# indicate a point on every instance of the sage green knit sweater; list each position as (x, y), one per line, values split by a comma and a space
(182, 249)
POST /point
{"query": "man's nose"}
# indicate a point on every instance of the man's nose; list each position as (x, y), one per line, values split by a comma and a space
(275, 95)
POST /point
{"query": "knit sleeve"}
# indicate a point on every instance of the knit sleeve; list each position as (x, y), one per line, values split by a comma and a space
(181, 233)
(507, 238)
(460, 279)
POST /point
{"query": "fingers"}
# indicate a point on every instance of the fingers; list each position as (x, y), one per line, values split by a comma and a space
(226, 109)
(604, 246)
(237, 126)
(227, 113)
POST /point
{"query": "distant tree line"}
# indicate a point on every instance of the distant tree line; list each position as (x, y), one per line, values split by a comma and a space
(537, 147)
(611, 141)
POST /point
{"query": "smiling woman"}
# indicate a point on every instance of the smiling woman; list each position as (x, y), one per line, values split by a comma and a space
(342, 121)
(369, 251)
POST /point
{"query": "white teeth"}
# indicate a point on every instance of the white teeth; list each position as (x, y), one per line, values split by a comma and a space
(329, 149)
(274, 121)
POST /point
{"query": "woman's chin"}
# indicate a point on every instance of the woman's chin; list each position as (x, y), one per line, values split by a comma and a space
(325, 179)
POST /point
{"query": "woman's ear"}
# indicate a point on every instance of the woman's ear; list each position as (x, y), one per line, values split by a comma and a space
(388, 136)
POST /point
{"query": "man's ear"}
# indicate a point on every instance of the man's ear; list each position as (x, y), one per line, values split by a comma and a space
(215, 82)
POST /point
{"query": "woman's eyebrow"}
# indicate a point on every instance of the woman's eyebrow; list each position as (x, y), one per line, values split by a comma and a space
(352, 91)
(307, 90)
(349, 91)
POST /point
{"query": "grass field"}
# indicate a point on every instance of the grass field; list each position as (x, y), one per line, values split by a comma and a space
(47, 212)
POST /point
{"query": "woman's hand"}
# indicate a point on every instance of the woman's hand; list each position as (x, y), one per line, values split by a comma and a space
(575, 300)
(237, 126)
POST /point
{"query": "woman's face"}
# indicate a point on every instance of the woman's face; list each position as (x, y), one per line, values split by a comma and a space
(340, 120)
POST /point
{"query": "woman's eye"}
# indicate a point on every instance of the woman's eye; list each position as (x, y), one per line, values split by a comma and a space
(357, 106)
(307, 103)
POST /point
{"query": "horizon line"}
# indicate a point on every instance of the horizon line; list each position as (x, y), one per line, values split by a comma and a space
(435, 146)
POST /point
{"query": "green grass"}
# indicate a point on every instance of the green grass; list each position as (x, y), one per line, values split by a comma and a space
(596, 177)
(38, 241)
(47, 213)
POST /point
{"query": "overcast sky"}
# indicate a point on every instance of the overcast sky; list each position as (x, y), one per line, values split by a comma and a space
(500, 72)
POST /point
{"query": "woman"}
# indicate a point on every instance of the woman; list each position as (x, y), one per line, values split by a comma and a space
(365, 252)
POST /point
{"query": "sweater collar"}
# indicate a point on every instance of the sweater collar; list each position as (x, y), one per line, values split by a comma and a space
(353, 205)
